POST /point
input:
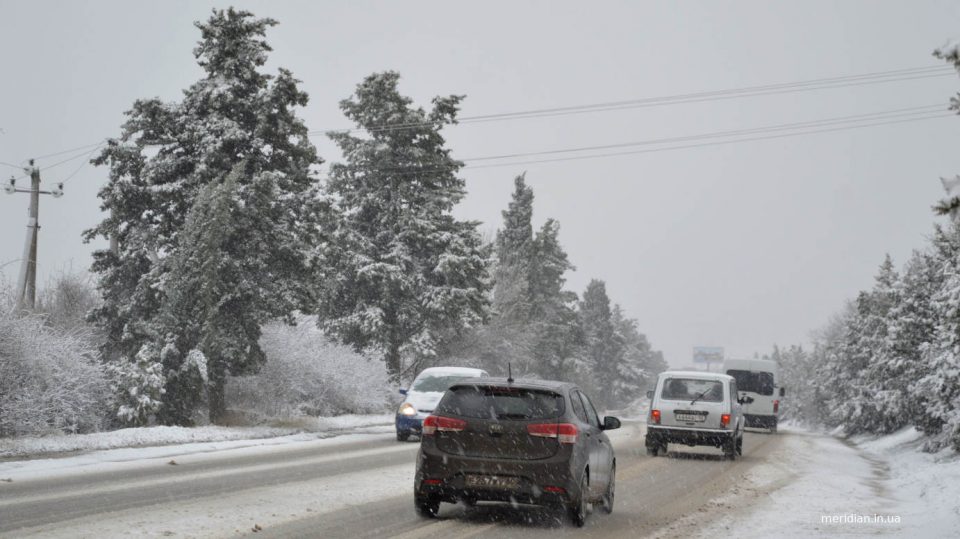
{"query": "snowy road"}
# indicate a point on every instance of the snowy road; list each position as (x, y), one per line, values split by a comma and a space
(357, 486)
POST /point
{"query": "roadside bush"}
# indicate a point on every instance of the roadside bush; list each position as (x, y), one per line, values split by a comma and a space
(50, 380)
(307, 374)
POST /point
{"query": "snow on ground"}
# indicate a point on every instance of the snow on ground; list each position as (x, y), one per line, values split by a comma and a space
(819, 485)
(928, 485)
(241, 512)
(158, 436)
(138, 457)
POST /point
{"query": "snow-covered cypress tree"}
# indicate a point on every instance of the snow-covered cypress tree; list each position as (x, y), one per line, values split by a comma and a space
(637, 362)
(167, 154)
(601, 345)
(514, 250)
(400, 273)
(553, 318)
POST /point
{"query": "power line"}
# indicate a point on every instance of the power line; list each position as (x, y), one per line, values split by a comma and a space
(83, 163)
(874, 119)
(733, 93)
(714, 143)
(796, 125)
(71, 150)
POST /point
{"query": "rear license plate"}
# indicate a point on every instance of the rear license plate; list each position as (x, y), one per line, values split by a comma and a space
(492, 481)
(690, 417)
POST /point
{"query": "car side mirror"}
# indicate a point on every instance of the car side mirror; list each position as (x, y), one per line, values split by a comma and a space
(783, 391)
(403, 391)
(610, 423)
(650, 394)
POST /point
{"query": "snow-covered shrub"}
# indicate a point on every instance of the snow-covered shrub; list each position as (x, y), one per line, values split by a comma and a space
(50, 379)
(308, 374)
(139, 386)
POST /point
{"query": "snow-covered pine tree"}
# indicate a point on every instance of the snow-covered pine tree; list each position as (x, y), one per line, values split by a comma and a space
(400, 273)
(166, 155)
(867, 349)
(912, 325)
(939, 387)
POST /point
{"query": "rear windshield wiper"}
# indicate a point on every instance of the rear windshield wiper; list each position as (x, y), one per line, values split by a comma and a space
(698, 397)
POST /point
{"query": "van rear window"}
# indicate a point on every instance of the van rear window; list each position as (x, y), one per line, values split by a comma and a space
(757, 382)
(484, 402)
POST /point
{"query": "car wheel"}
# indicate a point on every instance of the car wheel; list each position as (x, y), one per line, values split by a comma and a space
(730, 448)
(578, 509)
(403, 435)
(652, 451)
(607, 505)
(740, 445)
(426, 507)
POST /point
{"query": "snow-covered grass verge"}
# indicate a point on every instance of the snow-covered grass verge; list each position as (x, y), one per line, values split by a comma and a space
(926, 485)
(819, 485)
(164, 436)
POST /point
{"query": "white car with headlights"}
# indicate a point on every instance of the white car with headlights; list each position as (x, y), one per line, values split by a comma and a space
(424, 394)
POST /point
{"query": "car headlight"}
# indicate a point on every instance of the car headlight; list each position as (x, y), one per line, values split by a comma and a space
(407, 409)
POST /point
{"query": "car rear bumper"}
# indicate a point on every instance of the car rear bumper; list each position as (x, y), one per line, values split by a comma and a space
(760, 421)
(659, 436)
(534, 477)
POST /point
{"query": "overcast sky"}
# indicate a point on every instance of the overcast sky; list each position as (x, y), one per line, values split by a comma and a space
(737, 245)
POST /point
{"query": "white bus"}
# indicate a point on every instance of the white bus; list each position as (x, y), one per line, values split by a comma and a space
(757, 378)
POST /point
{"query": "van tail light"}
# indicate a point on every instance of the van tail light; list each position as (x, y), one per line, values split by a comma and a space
(436, 423)
(725, 419)
(776, 406)
(566, 433)
(655, 415)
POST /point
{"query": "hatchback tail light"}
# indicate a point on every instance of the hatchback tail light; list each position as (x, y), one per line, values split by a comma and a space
(436, 423)
(776, 406)
(655, 415)
(725, 419)
(565, 432)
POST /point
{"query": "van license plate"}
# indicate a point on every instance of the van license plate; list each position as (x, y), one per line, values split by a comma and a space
(492, 481)
(690, 417)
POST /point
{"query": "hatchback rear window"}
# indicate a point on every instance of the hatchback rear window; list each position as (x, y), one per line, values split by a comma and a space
(484, 402)
(690, 389)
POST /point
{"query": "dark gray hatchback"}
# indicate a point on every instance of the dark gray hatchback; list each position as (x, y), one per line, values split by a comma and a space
(533, 442)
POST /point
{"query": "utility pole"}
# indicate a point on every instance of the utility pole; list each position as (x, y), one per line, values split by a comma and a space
(27, 283)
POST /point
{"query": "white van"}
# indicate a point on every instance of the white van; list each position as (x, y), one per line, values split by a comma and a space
(758, 378)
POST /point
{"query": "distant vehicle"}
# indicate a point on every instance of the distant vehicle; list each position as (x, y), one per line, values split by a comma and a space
(758, 378)
(531, 442)
(424, 394)
(695, 408)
